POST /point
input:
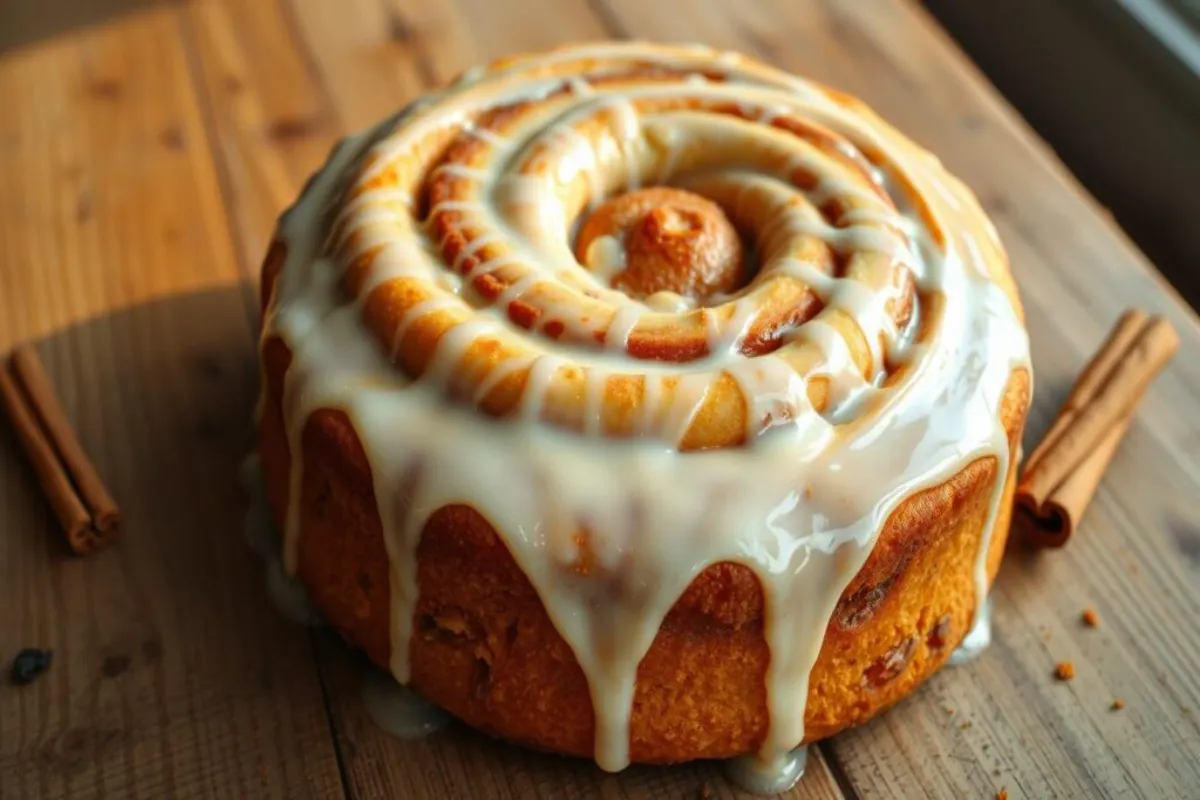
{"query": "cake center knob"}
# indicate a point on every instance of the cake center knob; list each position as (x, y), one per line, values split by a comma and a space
(663, 240)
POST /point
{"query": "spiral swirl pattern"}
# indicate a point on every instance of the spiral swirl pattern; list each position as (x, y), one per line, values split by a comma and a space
(458, 224)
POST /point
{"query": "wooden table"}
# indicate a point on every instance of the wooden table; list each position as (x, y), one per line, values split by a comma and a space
(143, 158)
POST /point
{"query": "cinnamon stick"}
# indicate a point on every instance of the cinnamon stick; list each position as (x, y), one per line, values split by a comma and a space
(87, 512)
(1063, 472)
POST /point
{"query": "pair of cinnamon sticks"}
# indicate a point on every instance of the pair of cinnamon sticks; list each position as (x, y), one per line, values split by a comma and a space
(1061, 475)
(87, 512)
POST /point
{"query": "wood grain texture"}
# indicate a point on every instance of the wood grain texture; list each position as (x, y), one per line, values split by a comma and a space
(170, 676)
(143, 177)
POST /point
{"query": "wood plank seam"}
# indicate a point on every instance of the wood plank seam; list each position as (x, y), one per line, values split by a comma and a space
(409, 38)
(609, 20)
(837, 770)
(223, 166)
(249, 293)
(212, 136)
(287, 10)
(331, 717)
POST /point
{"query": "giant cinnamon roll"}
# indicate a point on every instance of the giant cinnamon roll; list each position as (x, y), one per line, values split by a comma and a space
(643, 402)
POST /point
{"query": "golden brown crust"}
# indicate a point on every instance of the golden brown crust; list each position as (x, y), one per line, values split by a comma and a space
(485, 649)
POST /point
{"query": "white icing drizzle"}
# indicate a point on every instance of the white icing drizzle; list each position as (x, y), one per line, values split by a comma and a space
(670, 302)
(623, 323)
(606, 257)
(978, 638)
(801, 504)
(287, 593)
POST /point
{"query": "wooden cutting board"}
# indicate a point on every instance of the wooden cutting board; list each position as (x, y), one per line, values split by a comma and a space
(145, 149)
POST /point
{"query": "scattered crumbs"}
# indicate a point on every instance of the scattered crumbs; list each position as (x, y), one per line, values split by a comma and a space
(1117, 704)
(996, 773)
(965, 725)
(1064, 670)
(1090, 618)
(986, 745)
(28, 664)
(1002, 794)
(948, 710)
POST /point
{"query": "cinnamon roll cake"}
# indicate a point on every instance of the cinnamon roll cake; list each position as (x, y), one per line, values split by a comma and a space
(643, 403)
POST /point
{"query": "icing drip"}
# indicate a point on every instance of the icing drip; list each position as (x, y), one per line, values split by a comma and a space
(286, 592)
(978, 638)
(801, 503)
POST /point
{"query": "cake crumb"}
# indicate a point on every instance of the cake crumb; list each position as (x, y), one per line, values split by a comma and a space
(965, 725)
(1090, 618)
(1002, 794)
(1064, 671)
(948, 710)
(1117, 704)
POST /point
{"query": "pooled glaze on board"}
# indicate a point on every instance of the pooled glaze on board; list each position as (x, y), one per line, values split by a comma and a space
(801, 503)
(399, 710)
